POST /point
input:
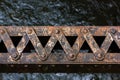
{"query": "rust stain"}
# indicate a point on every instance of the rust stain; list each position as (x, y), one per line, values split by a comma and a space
(72, 54)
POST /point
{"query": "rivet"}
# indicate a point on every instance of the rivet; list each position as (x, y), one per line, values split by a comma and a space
(71, 55)
(67, 66)
(57, 31)
(53, 65)
(2, 31)
(11, 65)
(25, 65)
(43, 55)
(96, 65)
(85, 31)
(39, 65)
(14, 55)
(99, 55)
(29, 31)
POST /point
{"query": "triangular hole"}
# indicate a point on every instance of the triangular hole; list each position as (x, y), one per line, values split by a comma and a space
(57, 47)
(113, 48)
(99, 40)
(29, 48)
(85, 48)
(16, 39)
(71, 39)
(3, 48)
(44, 40)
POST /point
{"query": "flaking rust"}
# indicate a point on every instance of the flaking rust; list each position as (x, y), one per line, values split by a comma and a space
(72, 54)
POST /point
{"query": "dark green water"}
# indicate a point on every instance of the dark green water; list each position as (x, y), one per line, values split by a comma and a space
(59, 13)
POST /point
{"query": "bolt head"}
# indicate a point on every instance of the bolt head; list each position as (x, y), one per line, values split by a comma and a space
(53, 65)
(67, 66)
(11, 65)
(14, 55)
(57, 31)
(43, 55)
(39, 65)
(95, 65)
(72, 55)
(99, 55)
(25, 65)
(29, 31)
(85, 31)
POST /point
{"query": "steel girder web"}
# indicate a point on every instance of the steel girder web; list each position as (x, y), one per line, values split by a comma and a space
(60, 49)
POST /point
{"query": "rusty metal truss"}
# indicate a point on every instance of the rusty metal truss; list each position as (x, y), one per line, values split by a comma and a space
(71, 39)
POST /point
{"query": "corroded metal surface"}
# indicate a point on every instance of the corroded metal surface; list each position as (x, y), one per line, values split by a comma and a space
(71, 55)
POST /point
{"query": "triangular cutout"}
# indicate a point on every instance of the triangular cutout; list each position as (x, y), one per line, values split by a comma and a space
(29, 48)
(57, 47)
(99, 40)
(85, 48)
(44, 40)
(3, 48)
(71, 39)
(113, 48)
(16, 39)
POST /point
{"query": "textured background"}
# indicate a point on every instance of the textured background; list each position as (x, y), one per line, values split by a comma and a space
(55, 13)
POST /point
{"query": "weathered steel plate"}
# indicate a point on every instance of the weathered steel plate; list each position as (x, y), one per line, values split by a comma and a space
(71, 54)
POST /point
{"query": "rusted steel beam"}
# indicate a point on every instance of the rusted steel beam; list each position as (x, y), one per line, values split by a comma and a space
(72, 54)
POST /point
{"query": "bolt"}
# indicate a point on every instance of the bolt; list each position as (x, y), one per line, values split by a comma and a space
(53, 65)
(29, 31)
(85, 31)
(72, 55)
(99, 55)
(2, 31)
(11, 65)
(39, 65)
(25, 65)
(43, 55)
(57, 31)
(14, 55)
(96, 65)
(67, 66)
